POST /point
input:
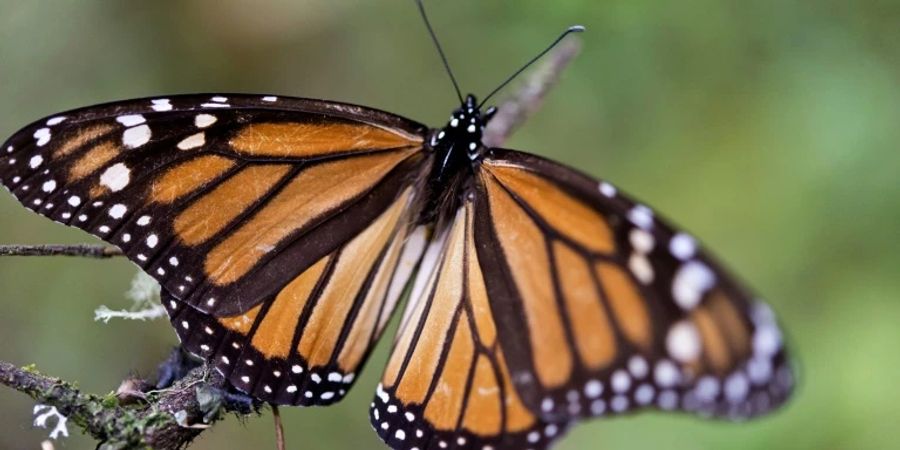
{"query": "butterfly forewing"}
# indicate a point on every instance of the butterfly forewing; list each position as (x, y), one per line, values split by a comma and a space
(268, 216)
(606, 308)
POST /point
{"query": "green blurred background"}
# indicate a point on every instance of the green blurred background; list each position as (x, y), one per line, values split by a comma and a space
(769, 128)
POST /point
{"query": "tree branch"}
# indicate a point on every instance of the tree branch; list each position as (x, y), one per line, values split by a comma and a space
(83, 250)
(528, 98)
(161, 419)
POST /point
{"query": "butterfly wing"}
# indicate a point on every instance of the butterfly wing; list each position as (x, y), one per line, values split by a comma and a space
(607, 308)
(552, 297)
(268, 216)
(447, 384)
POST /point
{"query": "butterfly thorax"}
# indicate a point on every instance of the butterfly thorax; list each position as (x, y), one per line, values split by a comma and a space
(458, 150)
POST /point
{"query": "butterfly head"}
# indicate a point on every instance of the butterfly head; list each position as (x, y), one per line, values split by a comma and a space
(465, 128)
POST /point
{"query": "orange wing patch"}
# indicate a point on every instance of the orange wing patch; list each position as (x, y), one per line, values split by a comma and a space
(568, 215)
(241, 323)
(724, 337)
(628, 305)
(593, 331)
(274, 336)
(309, 139)
(358, 257)
(210, 214)
(187, 177)
(315, 191)
(81, 138)
(94, 159)
(524, 247)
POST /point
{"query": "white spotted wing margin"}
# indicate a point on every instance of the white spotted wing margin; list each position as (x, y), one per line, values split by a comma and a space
(705, 345)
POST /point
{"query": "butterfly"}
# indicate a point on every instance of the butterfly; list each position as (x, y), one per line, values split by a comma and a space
(284, 232)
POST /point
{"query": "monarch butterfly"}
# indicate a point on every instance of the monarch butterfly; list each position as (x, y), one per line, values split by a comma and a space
(284, 232)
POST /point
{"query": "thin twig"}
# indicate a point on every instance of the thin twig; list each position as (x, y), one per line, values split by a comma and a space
(82, 250)
(279, 428)
(528, 98)
(172, 418)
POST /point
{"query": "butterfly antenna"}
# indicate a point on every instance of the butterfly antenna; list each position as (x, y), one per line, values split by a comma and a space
(439, 49)
(572, 29)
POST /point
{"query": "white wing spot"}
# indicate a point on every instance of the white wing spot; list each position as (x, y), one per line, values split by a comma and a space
(136, 136)
(192, 141)
(547, 405)
(49, 186)
(620, 381)
(35, 161)
(641, 240)
(683, 342)
(641, 216)
(42, 136)
(143, 221)
(691, 281)
(644, 394)
(116, 177)
(682, 246)
(161, 104)
(204, 120)
(118, 211)
(131, 120)
(640, 266)
(607, 189)
(665, 373)
(56, 121)
(270, 98)
(638, 366)
(593, 389)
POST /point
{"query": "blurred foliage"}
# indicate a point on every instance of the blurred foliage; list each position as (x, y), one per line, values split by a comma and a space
(769, 128)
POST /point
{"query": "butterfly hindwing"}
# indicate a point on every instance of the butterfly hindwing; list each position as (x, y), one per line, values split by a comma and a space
(446, 384)
(307, 344)
(606, 308)
(261, 217)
